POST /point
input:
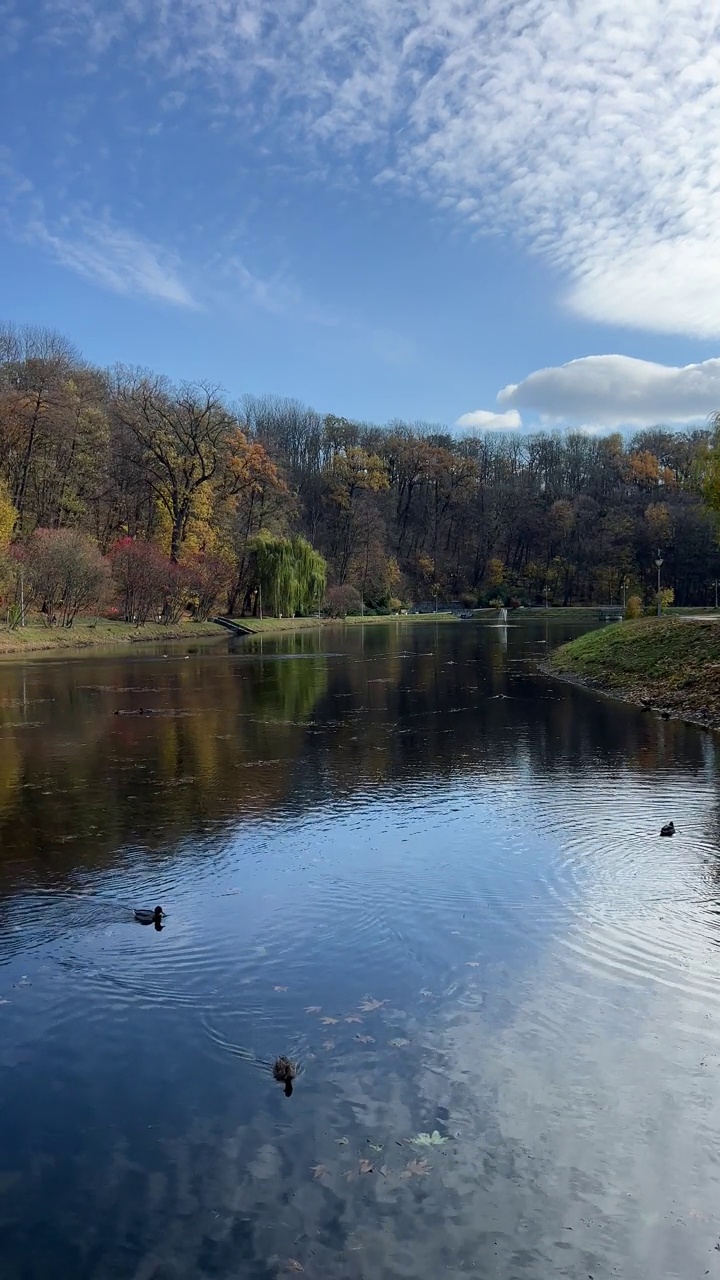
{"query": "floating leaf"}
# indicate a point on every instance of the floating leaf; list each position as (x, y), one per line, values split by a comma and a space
(328, 1044)
(399, 1043)
(329, 1022)
(366, 1166)
(433, 1139)
(319, 1170)
(352, 1017)
(313, 1008)
(369, 1005)
(375, 1146)
(416, 1169)
(342, 1142)
(472, 964)
(279, 988)
(366, 1039)
(294, 1265)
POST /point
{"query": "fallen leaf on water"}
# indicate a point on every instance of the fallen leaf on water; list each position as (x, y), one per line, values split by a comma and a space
(329, 1022)
(472, 964)
(366, 1039)
(374, 1146)
(328, 1044)
(342, 1142)
(368, 1004)
(399, 1043)
(319, 1170)
(313, 1008)
(294, 1265)
(434, 1139)
(353, 1018)
(366, 1166)
(416, 1169)
(279, 988)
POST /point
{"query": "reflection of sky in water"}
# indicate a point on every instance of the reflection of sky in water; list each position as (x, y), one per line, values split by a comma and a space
(458, 916)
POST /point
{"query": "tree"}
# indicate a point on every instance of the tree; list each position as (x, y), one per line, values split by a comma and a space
(67, 573)
(208, 577)
(340, 601)
(140, 571)
(184, 438)
(289, 574)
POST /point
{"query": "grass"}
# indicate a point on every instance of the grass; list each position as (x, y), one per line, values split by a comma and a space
(265, 625)
(89, 632)
(670, 663)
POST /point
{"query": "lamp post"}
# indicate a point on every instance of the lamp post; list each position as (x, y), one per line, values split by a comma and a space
(546, 592)
(659, 563)
(715, 584)
(624, 591)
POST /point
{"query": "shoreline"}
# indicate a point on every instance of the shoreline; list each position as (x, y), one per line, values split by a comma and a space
(669, 667)
(101, 635)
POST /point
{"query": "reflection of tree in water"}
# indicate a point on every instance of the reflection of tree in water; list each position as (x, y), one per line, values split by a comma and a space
(275, 724)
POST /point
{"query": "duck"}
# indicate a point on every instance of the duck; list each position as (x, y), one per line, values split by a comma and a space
(668, 829)
(144, 916)
(285, 1072)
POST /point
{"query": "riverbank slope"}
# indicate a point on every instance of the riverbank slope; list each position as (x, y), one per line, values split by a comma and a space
(672, 664)
(93, 634)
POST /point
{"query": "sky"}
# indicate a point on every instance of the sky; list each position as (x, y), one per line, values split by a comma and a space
(486, 214)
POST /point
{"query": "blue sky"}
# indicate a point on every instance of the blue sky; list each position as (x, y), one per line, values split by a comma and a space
(488, 213)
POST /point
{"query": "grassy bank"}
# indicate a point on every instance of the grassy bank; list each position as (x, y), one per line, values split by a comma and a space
(88, 633)
(672, 664)
(261, 627)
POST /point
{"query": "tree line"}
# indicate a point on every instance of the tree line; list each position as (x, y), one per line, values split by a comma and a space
(117, 484)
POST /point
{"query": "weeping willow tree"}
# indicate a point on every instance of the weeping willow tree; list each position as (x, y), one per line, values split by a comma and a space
(289, 575)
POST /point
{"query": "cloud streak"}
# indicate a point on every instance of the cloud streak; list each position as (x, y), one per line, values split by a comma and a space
(117, 260)
(612, 391)
(587, 131)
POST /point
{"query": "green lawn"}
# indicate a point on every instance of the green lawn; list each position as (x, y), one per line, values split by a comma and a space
(88, 632)
(672, 663)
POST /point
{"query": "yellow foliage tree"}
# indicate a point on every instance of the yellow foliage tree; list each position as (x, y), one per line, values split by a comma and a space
(8, 517)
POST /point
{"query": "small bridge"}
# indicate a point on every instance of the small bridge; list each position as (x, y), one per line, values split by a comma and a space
(611, 615)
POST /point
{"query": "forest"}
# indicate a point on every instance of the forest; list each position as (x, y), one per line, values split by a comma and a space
(121, 490)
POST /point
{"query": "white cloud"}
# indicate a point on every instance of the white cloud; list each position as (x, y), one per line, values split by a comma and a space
(586, 130)
(116, 260)
(486, 420)
(611, 391)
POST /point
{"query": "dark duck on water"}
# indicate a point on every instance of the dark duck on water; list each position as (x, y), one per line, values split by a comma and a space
(144, 916)
(285, 1072)
(668, 829)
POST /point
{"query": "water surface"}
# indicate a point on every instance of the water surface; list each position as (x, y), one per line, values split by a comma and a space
(431, 876)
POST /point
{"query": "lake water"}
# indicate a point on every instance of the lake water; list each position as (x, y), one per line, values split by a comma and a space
(432, 877)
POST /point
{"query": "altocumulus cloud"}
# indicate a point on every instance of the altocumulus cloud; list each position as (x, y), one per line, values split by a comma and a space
(588, 130)
(614, 391)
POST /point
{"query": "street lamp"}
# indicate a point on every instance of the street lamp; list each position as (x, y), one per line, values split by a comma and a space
(659, 563)
(715, 584)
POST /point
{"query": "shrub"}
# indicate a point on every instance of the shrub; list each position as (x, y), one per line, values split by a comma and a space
(140, 571)
(634, 607)
(208, 577)
(67, 573)
(340, 601)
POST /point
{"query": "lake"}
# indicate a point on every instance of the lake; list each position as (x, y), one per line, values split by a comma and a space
(431, 876)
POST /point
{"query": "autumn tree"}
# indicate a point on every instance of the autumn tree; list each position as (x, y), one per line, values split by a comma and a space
(66, 573)
(184, 438)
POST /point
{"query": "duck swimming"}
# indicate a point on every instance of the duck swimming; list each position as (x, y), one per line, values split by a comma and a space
(285, 1072)
(149, 917)
(668, 829)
